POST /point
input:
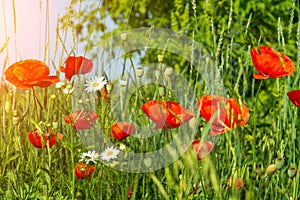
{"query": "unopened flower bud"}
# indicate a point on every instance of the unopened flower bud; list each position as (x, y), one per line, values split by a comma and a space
(279, 162)
(123, 83)
(69, 87)
(162, 91)
(53, 96)
(55, 124)
(292, 172)
(271, 169)
(160, 58)
(157, 73)
(109, 86)
(147, 161)
(7, 106)
(168, 70)
(139, 72)
(80, 101)
(193, 123)
(15, 113)
(122, 147)
(15, 119)
(123, 115)
(124, 36)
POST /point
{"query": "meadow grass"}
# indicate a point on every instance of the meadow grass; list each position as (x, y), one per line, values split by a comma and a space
(245, 152)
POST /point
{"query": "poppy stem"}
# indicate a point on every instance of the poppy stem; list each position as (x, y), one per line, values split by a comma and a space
(36, 99)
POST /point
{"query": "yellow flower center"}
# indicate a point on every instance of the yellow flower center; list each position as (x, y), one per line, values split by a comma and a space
(110, 153)
(95, 84)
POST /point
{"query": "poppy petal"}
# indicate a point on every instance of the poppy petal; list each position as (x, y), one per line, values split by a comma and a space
(229, 113)
(76, 65)
(294, 96)
(82, 119)
(28, 73)
(121, 130)
(271, 63)
(202, 148)
(166, 114)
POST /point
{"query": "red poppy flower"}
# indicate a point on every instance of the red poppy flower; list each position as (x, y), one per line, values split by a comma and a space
(229, 116)
(84, 171)
(82, 119)
(130, 191)
(203, 150)
(294, 96)
(166, 114)
(231, 181)
(76, 65)
(48, 139)
(28, 73)
(121, 130)
(271, 63)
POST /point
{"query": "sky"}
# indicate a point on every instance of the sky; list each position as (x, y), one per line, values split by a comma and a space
(29, 40)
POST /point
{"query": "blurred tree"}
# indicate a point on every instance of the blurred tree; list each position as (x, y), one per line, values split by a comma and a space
(226, 28)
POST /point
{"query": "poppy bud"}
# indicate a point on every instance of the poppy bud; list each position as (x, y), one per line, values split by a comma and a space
(193, 123)
(139, 72)
(292, 172)
(168, 70)
(157, 73)
(53, 96)
(122, 147)
(279, 163)
(69, 87)
(79, 195)
(15, 120)
(162, 91)
(147, 161)
(109, 87)
(123, 115)
(55, 124)
(7, 106)
(160, 57)
(15, 113)
(124, 36)
(271, 169)
(123, 83)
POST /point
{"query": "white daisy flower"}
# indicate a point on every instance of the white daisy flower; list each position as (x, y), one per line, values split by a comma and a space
(68, 90)
(94, 84)
(59, 85)
(110, 153)
(90, 156)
